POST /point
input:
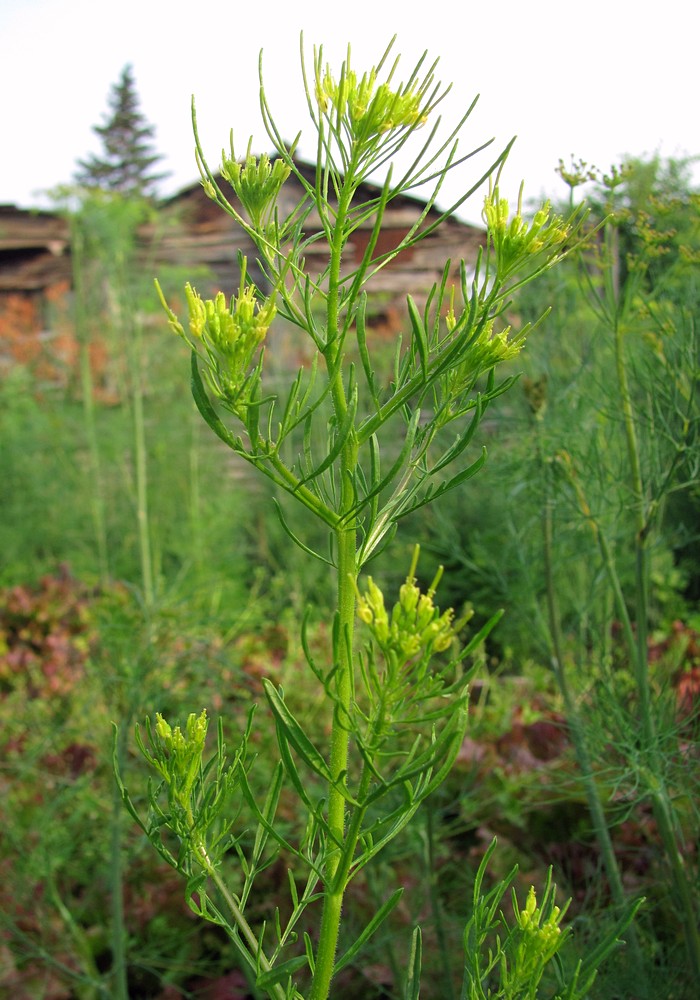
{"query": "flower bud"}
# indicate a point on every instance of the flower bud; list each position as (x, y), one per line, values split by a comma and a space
(197, 310)
(409, 595)
(415, 626)
(257, 182)
(163, 729)
(368, 112)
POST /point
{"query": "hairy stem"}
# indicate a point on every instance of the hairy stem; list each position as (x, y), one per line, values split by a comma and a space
(346, 538)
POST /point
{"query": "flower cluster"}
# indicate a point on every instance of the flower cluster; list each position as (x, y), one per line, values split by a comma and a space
(257, 183)
(367, 111)
(516, 241)
(415, 626)
(531, 921)
(177, 755)
(485, 349)
(235, 329)
(230, 332)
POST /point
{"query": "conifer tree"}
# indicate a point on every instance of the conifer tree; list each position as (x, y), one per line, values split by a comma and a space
(125, 165)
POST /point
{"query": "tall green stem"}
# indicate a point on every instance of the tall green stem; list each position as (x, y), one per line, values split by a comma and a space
(131, 332)
(639, 650)
(346, 539)
(120, 989)
(583, 757)
(140, 461)
(88, 400)
(578, 733)
(638, 647)
(252, 945)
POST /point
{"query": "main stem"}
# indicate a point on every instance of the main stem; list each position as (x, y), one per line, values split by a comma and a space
(140, 459)
(346, 539)
(132, 333)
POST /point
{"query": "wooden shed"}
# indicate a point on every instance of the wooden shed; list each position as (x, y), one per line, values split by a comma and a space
(192, 232)
(201, 234)
(35, 273)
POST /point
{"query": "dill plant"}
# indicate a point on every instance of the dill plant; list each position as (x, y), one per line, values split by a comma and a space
(645, 312)
(602, 462)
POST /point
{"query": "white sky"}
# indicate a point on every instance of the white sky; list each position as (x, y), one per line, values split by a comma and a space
(599, 79)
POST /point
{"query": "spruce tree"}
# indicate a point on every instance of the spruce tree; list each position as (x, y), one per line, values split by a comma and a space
(125, 165)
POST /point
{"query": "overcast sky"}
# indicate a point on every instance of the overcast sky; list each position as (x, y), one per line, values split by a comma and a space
(595, 79)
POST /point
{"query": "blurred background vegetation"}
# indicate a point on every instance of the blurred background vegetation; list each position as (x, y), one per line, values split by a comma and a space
(143, 569)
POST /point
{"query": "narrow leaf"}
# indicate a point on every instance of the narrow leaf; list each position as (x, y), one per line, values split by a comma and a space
(338, 445)
(279, 972)
(376, 921)
(204, 406)
(361, 330)
(414, 967)
(462, 441)
(401, 460)
(295, 734)
(447, 485)
(295, 538)
(250, 799)
(269, 810)
(309, 948)
(482, 634)
(420, 337)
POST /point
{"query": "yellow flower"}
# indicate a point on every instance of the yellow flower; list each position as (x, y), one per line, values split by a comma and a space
(516, 241)
(415, 624)
(365, 109)
(231, 328)
(257, 183)
(197, 311)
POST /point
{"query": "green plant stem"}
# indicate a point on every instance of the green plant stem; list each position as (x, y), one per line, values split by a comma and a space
(253, 948)
(577, 730)
(131, 332)
(638, 647)
(251, 951)
(635, 632)
(578, 734)
(140, 459)
(88, 400)
(652, 775)
(89, 985)
(346, 538)
(339, 748)
(120, 988)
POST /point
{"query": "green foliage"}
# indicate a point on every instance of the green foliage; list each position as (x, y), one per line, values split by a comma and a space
(577, 750)
(48, 489)
(397, 714)
(127, 158)
(602, 458)
(511, 959)
(72, 661)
